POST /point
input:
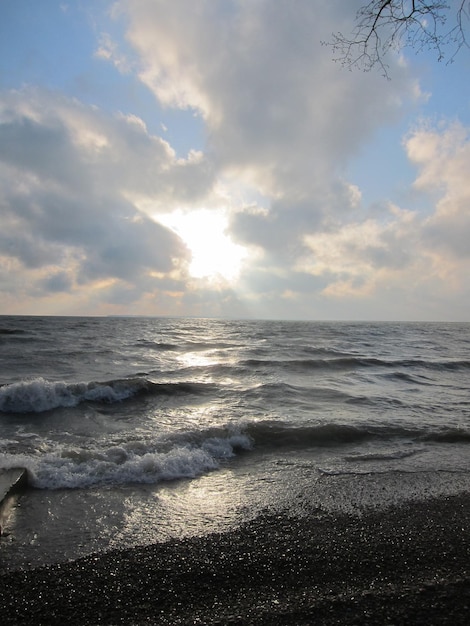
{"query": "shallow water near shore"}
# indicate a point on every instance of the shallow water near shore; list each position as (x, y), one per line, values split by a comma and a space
(138, 430)
(49, 527)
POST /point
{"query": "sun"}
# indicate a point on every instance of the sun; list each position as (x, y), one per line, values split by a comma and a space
(204, 231)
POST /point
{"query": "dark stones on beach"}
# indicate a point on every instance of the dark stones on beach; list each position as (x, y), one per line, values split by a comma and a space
(407, 565)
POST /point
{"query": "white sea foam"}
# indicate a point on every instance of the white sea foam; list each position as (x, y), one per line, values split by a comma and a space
(39, 395)
(74, 468)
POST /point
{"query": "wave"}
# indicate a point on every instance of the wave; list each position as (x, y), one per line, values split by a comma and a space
(307, 364)
(391, 455)
(40, 395)
(285, 394)
(184, 346)
(399, 471)
(79, 468)
(158, 345)
(324, 471)
(343, 362)
(409, 378)
(448, 435)
(188, 454)
(11, 331)
(280, 434)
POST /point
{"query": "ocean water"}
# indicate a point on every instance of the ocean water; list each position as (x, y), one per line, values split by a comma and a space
(134, 430)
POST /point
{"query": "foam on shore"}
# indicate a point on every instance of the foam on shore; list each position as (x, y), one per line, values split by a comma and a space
(11, 481)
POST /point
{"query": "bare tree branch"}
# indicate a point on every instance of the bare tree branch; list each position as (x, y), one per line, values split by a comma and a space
(384, 25)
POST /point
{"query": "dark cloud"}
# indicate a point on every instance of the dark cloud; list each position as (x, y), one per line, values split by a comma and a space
(43, 150)
(128, 248)
(56, 283)
(450, 234)
(62, 202)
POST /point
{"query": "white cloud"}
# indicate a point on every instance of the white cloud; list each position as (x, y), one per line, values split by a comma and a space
(81, 191)
(416, 253)
(278, 111)
(67, 173)
(443, 156)
(281, 117)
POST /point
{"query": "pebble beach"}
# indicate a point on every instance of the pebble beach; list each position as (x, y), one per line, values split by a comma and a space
(406, 564)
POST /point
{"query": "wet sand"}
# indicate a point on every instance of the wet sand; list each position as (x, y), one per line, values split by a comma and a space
(404, 565)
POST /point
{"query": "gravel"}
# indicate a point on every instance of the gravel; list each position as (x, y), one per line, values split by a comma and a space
(403, 565)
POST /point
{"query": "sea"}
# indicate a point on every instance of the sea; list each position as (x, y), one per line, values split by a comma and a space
(137, 430)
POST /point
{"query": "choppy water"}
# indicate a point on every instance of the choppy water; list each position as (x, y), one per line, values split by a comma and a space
(134, 429)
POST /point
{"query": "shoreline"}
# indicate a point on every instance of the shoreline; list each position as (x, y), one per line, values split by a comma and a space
(406, 564)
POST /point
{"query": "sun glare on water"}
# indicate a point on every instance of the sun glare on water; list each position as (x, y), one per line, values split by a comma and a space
(214, 254)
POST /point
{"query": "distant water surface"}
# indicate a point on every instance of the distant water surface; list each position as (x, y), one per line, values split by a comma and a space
(137, 429)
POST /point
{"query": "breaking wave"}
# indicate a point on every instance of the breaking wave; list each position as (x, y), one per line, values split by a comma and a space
(79, 467)
(187, 454)
(40, 395)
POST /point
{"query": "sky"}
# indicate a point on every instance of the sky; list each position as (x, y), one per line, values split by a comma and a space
(210, 158)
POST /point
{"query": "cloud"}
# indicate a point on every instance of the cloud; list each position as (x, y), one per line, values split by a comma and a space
(85, 194)
(58, 282)
(280, 116)
(443, 156)
(69, 177)
(423, 255)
